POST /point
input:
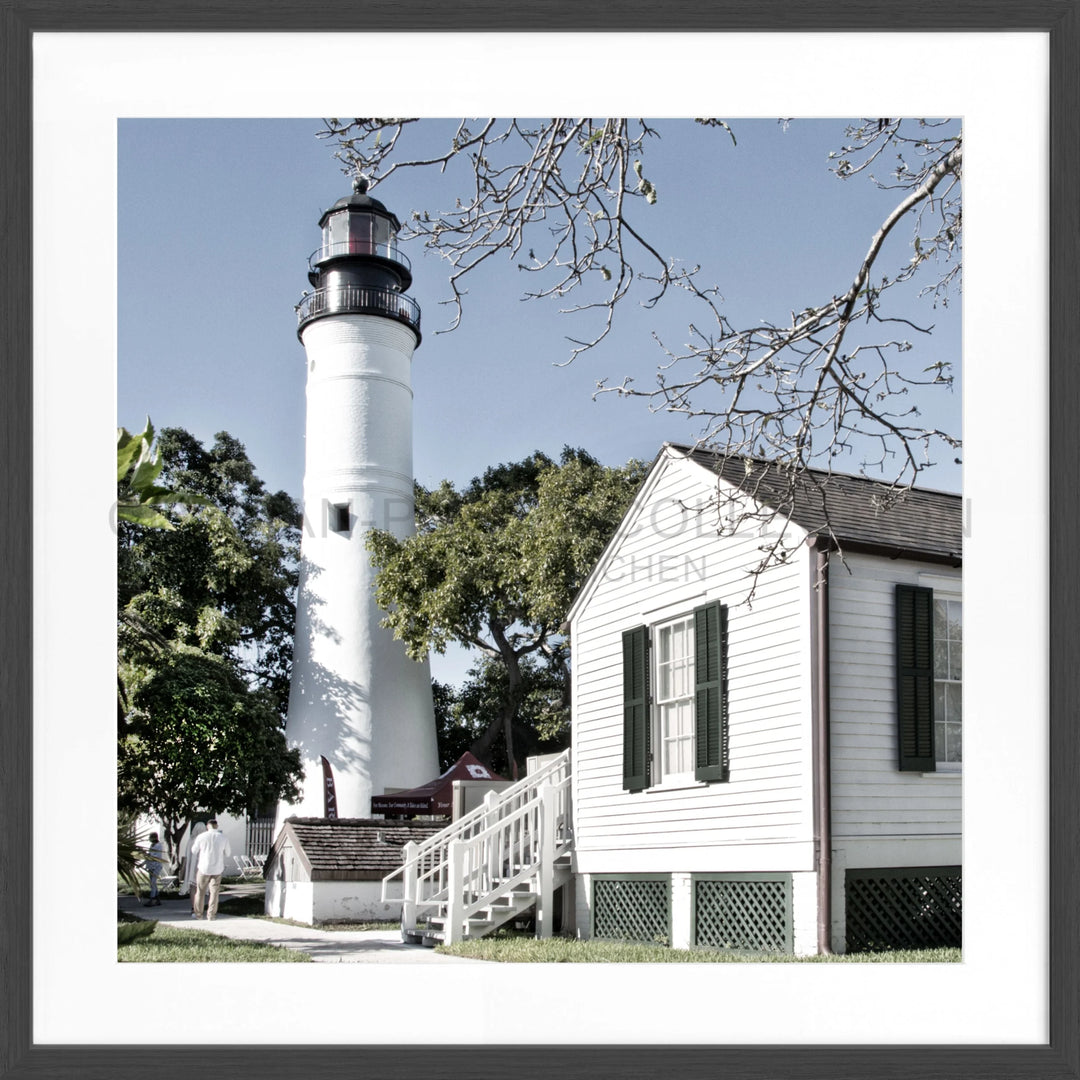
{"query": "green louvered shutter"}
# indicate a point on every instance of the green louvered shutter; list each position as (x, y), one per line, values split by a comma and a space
(915, 677)
(636, 709)
(710, 701)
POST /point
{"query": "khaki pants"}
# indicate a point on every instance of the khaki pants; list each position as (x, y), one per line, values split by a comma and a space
(202, 883)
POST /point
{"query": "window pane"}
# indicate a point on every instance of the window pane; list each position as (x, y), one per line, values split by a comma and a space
(380, 230)
(940, 743)
(663, 644)
(678, 757)
(954, 747)
(939, 702)
(686, 718)
(663, 657)
(941, 657)
(940, 619)
(360, 232)
(680, 679)
(956, 654)
(956, 639)
(337, 228)
(663, 683)
(954, 702)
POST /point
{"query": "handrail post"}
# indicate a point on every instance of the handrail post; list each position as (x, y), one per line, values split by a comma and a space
(545, 915)
(409, 880)
(454, 928)
(491, 860)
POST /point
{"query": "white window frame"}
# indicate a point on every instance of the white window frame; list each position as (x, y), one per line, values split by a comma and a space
(946, 596)
(659, 707)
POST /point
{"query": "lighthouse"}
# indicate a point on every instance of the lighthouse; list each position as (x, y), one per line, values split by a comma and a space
(360, 710)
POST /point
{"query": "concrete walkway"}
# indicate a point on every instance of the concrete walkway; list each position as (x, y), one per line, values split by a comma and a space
(323, 946)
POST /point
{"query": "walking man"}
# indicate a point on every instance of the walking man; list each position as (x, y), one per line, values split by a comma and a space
(210, 850)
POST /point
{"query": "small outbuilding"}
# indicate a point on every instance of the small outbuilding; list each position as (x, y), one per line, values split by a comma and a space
(331, 869)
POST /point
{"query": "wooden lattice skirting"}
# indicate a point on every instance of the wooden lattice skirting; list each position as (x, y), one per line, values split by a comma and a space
(912, 907)
(743, 912)
(632, 907)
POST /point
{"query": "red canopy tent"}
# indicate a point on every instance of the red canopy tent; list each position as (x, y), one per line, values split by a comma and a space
(436, 797)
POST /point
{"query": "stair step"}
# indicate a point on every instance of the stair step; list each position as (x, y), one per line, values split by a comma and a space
(498, 913)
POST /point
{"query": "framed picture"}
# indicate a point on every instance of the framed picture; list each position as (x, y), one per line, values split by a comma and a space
(73, 76)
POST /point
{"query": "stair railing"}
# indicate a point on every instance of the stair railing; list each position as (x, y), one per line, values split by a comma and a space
(497, 835)
(521, 847)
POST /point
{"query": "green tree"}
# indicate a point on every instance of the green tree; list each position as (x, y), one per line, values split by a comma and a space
(197, 736)
(223, 578)
(495, 567)
(454, 731)
(205, 619)
(542, 723)
(139, 497)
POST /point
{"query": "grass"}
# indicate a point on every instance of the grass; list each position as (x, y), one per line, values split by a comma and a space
(514, 949)
(166, 945)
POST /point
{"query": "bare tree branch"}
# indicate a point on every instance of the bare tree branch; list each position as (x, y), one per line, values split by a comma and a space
(835, 379)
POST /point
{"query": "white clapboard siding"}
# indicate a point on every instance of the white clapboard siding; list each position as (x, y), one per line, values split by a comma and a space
(662, 564)
(871, 796)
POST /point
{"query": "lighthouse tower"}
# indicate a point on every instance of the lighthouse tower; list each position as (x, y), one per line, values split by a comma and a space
(359, 709)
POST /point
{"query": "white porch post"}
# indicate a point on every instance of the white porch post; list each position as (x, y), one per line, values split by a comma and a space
(409, 881)
(454, 930)
(545, 915)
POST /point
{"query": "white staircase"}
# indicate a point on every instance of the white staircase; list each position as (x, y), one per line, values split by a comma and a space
(491, 865)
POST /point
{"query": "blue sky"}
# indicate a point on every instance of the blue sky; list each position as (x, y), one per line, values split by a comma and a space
(217, 218)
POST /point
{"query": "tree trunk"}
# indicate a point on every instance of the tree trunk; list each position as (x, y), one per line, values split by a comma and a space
(508, 713)
(513, 694)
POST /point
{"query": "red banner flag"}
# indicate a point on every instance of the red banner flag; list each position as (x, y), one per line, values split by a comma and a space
(329, 795)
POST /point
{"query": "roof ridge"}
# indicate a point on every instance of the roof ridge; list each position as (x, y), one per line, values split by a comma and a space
(827, 474)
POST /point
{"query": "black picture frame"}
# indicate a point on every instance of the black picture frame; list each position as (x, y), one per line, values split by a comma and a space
(19, 1057)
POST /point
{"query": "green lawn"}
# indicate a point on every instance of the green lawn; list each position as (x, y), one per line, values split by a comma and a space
(513, 949)
(167, 945)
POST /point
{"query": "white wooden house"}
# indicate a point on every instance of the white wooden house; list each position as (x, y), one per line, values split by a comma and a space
(770, 762)
(765, 762)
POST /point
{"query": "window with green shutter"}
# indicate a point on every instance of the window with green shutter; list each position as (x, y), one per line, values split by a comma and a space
(675, 713)
(915, 677)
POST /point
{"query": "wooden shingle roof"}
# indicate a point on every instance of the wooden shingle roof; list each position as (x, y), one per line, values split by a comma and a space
(862, 514)
(350, 849)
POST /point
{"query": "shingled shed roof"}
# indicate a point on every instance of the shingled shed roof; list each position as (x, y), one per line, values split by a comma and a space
(862, 514)
(349, 849)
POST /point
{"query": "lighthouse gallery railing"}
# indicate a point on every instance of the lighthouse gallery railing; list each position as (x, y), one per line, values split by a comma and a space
(359, 300)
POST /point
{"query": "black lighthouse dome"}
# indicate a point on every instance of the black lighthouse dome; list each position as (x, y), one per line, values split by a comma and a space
(358, 269)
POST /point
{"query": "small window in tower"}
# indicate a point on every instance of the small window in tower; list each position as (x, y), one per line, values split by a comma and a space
(339, 518)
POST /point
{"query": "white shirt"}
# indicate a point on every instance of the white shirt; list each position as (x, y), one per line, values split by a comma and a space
(211, 849)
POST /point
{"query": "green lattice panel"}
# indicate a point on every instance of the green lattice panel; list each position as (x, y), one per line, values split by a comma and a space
(632, 909)
(909, 908)
(746, 915)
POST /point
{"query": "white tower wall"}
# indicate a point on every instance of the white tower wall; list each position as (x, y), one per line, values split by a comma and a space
(355, 698)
